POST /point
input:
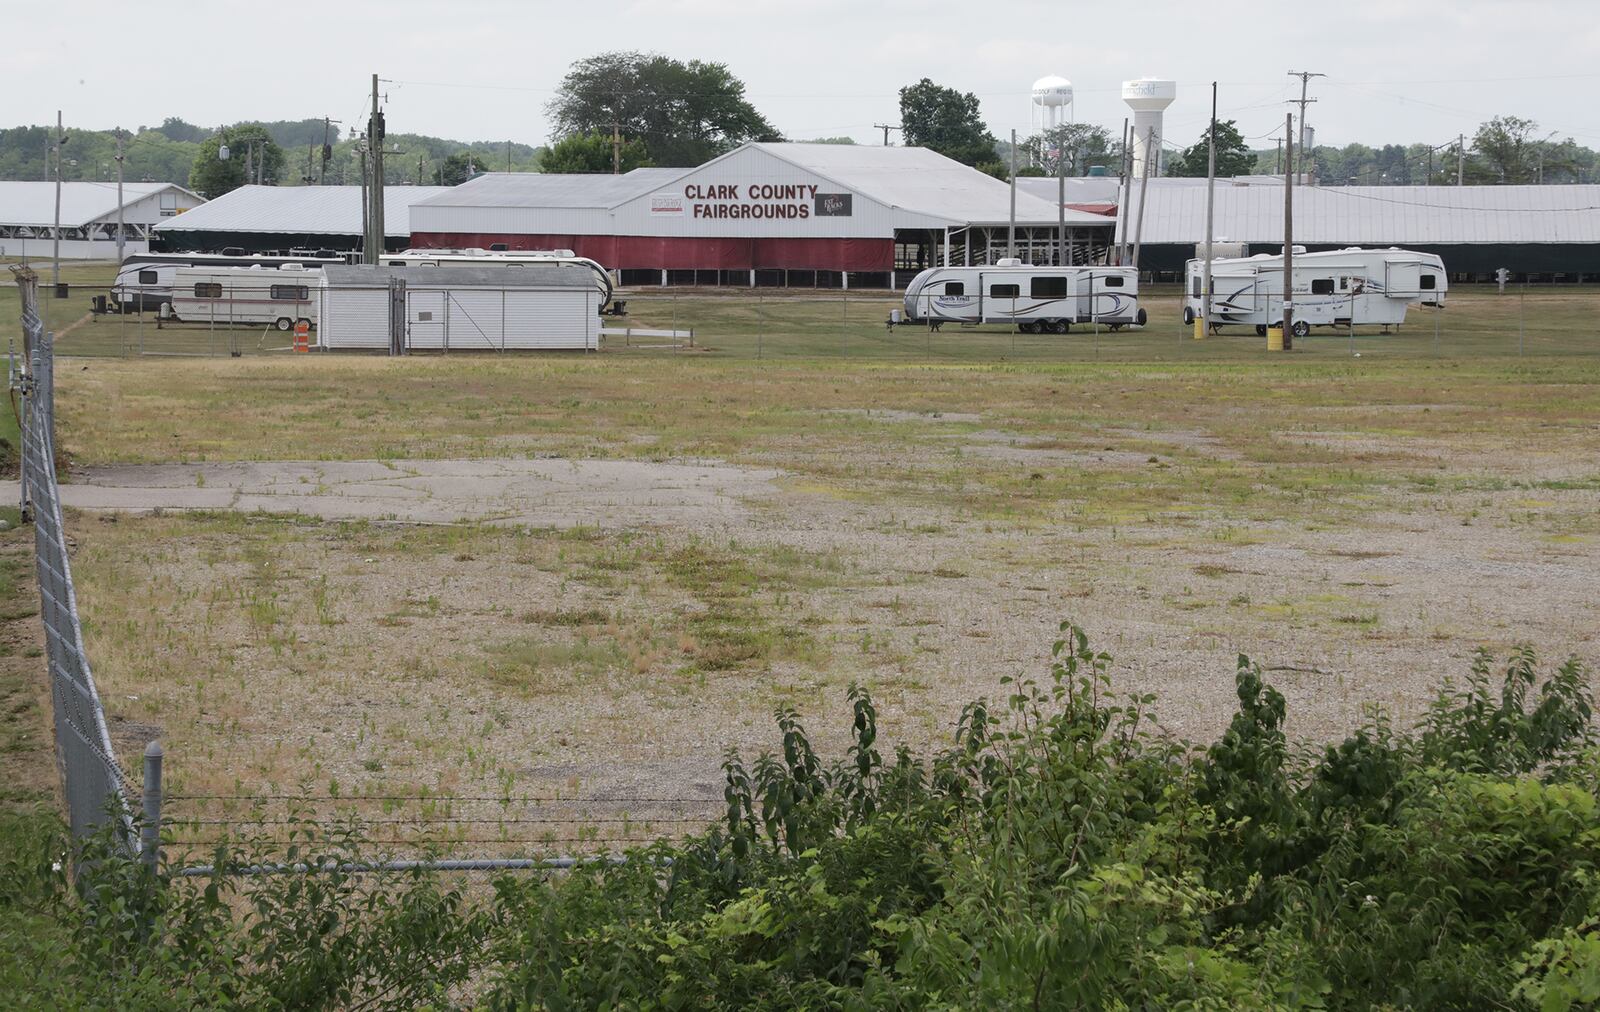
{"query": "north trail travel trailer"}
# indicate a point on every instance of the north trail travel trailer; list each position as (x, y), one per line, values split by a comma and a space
(502, 258)
(1038, 300)
(544, 306)
(280, 296)
(1346, 287)
(144, 280)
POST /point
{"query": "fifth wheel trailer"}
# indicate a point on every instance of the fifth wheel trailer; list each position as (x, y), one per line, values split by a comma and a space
(1345, 287)
(460, 308)
(1038, 300)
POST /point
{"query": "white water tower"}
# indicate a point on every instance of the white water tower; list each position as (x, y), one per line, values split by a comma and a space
(1148, 97)
(1052, 96)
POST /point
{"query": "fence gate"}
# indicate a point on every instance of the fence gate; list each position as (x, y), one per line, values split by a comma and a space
(427, 320)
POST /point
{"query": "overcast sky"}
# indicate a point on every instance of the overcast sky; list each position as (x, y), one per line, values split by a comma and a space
(1398, 70)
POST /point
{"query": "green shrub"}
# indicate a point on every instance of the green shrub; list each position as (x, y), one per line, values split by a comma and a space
(1061, 852)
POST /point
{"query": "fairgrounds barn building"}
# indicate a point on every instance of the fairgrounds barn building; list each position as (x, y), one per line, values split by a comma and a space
(765, 214)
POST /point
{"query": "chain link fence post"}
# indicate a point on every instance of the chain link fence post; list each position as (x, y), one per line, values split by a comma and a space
(94, 785)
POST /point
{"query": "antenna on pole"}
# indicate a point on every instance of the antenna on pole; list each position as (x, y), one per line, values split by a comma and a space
(1305, 77)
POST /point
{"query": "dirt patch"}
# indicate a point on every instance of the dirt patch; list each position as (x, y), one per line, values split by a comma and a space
(535, 493)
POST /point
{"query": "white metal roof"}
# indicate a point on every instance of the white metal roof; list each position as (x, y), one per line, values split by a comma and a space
(911, 179)
(922, 180)
(24, 202)
(300, 210)
(1370, 215)
(555, 275)
(538, 189)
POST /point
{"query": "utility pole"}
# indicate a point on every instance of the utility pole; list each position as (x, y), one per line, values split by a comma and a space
(55, 266)
(1144, 189)
(1305, 77)
(1011, 226)
(375, 140)
(885, 127)
(1277, 164)
(616, 148)
(1461, 160)
(119, 195)
(1288, 234)
(327, 151)
(508, 156)
(1211, 203)
(1124, 197)
(1063, 255)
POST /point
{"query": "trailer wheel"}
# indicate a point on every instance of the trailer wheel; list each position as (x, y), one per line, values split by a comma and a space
(1144, 316)
(1063, 326)
(1188, 316)
(1261, 330)
(1301, 328)
(284, 324)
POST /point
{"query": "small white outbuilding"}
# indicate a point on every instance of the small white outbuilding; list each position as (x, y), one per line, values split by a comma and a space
(459, 308)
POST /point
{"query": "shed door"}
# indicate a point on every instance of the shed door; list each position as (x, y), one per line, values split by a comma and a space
(425, 319)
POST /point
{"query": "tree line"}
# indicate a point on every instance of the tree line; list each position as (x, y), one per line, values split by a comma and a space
(618, 111)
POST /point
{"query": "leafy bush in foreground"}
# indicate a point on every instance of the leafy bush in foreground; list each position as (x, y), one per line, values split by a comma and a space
(1060, 853)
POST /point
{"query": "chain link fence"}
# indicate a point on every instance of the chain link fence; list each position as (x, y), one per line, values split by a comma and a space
(95, 786)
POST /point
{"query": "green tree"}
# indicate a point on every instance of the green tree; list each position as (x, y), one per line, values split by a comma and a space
(1072, 146)
(253, 157)
(1507, 150)
(457, 169)
(947, 121)
(1234, 157)
(592, 153)
(685, 113)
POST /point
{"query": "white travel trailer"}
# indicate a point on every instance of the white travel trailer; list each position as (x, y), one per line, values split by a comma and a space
(1038, 300)
(1346, 287)
(144, 280)
(502, 258)
(280, 296)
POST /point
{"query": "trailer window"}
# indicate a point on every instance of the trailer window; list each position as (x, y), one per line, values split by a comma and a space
(290, 293)
(955, 288)
(1112, 281)
(208, 290)
(1428, 281)
(1004, 291)
(1321, 286)
(147, 277)
(1048, 288)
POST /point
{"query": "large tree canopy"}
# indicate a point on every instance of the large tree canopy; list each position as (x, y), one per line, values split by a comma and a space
(685, 113)
(593, 153)
(253, 157)
(946, 120)
(1234, 157)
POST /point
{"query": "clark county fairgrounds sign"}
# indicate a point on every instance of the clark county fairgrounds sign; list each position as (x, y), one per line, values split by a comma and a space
(754, 200)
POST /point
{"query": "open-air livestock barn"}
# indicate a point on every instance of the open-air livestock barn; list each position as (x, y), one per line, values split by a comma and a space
(1551, 231)
(765, 214)
(279, 219)
(88, 217)
(459, 308)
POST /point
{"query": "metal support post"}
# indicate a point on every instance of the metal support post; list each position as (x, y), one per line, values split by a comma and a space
(150, 831)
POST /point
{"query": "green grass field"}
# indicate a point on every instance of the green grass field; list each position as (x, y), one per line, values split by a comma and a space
(941, 502)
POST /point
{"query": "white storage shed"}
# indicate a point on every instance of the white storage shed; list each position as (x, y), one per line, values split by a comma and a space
(460, 308)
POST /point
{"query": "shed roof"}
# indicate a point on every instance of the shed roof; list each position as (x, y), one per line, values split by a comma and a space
(25, 202)
(1372, 215)
(461, 276)
(300, 210)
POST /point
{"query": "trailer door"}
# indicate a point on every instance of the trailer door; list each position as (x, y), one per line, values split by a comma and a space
(1402, 279)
